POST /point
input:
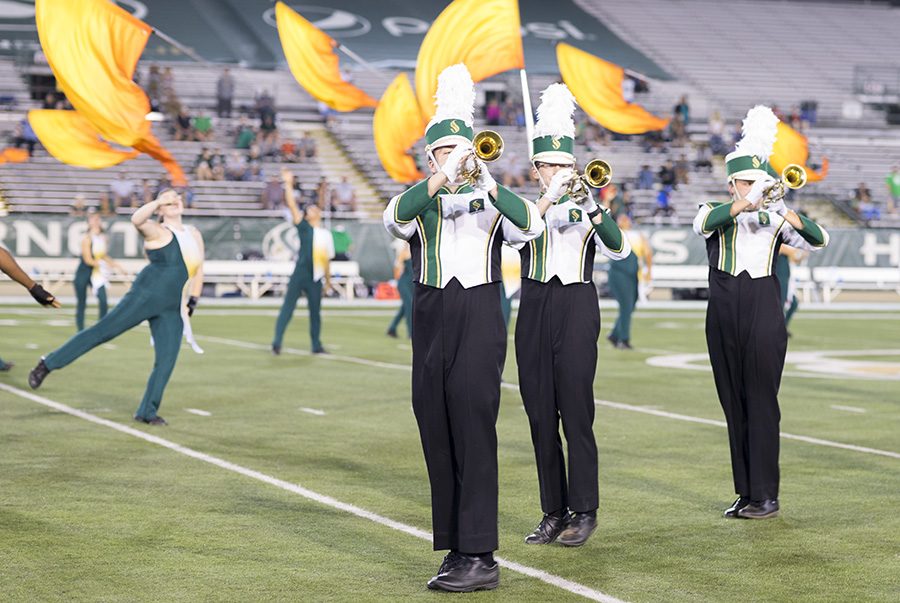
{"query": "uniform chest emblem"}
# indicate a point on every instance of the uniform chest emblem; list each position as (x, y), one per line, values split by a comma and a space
(764, 218)
(574, 215)
(476, 205)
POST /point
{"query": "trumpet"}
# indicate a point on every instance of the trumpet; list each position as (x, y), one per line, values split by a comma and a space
(597, 174)
(792, 176)
(488, 146)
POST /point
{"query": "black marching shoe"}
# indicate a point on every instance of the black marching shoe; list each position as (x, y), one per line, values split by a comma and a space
(579, 529)
(392, 334)
(6, 366)
(549, 528)
(276, 350)
(624, 345)
(461, 573)
(612, 340)
(732, 511)
(759, 510)
(157, 420)
(38, 374)
(319, 350)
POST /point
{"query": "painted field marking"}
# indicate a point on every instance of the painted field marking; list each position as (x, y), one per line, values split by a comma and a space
(855, 409)
(551, 579)
(197, 411)
(606, 403)
(313, 411)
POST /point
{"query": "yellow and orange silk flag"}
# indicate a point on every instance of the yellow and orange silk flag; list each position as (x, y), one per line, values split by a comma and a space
(72, 139)
(314, 64)
(484, 34)
(93, 47)
(397, 125)
(792, 147)
(597, 85)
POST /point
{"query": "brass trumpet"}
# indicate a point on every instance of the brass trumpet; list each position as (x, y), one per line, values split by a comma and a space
(488, 146)
(792, 176)
(597, 174)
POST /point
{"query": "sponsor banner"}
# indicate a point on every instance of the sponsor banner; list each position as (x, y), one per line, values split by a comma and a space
(385, 34)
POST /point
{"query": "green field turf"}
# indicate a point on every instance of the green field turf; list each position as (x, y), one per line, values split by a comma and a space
(88, 513)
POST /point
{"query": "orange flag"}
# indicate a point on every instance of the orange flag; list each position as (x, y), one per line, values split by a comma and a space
(397, 125)
(13, 155)
(484, 34)
(597, 84)
(792, 147)
(314, 64)
(93, 47)
(73, 140)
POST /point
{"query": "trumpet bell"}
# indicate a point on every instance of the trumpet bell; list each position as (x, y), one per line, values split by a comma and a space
(598, 173)
(794, 176)
(488, 145)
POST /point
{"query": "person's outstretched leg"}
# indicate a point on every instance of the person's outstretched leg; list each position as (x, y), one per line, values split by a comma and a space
(167, 329)
(291, 295)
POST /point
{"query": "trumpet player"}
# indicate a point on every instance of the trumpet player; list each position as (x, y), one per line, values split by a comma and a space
(559, 324)
(745, 329)
(455, 222)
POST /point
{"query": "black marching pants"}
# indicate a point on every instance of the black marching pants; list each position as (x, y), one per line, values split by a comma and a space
(556, 350)
(747, 343)
(459, 345)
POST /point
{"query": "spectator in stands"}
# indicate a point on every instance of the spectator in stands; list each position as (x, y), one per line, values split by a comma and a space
(645, 179)
(628, 89)
(288, 151)
(254, 173)
(682, 169)
(655, 141)
(677, 131)
(666, 174)
(867, 209)
(492, 113)
(794, 119)
(184, 129)
(235, 166)
(893, 185)
(509, 112)
(106, 207)
(683, 111)
(203, 129)
(272, 194)
(245, 134)
(663, 202)
(264, 103)
(716, 131)
(254, 155)
(323, 193)
(154, 87)
(203, 165)
(268, 134)
(343, 198)
(307, 147)
(24, 136)
(78, 207)
(342, 243)
(224, 93)
(122, 191)
(167, 82)
(703, 158)
(327, 113)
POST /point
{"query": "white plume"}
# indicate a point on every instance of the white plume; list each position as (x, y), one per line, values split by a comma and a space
(555, 112)
(455, 97)
(758, 132)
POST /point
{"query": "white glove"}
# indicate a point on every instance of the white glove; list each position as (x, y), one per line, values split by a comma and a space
(484, 182)
(779, 208)
(559, 183)
(587, 203)
(756, 191)
(452, 165)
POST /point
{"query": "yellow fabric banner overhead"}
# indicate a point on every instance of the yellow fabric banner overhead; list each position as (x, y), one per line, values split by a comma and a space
(314, 64)
(792, 147)
(484, 34)
(72, 139)
(397, 125)
(597, 85)
(93, 47)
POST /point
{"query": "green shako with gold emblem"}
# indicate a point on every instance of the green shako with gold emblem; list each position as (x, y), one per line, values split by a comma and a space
(750, 158)
(554, 133)
(454, 109)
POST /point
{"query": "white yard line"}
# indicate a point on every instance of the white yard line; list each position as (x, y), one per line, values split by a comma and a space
(197, 411)
(855, 409)
(607, 403)
(313, 411)
(553, 580)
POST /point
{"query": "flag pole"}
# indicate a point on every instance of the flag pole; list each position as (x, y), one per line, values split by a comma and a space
(529, 114)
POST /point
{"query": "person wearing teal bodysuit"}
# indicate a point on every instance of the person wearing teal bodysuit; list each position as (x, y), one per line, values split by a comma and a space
(175, 254)
(403, 272)
(12, 269)
(314, 256)
(92, 269)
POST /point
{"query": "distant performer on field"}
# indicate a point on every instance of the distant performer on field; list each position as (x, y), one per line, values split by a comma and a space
(403, 274)
(787, 281)
(94, 269)
(745, 329)
(625, 280)
(558, 326)
(313, 265)
(10, 268)
(175, 252)
(456, 222)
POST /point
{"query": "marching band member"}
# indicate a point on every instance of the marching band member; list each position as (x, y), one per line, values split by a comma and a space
(93, 269)
(558, 327)
(11, 268)
(626, 279)
(455, 232)
(745, 330)
(175, 253)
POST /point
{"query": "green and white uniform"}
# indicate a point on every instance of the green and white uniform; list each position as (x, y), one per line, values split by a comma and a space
(97, 277)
